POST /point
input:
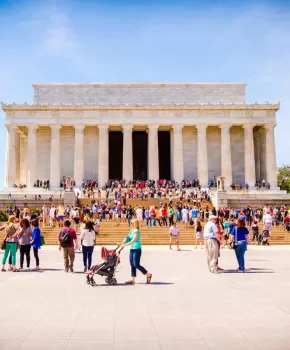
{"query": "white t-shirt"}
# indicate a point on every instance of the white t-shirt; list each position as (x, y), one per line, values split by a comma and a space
(52, 212)
(139, 213)
(174, 231)
(184, 212)
(268, 219)
(88, 237)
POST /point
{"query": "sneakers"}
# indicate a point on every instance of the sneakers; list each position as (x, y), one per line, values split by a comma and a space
(71, 269)
(215, 271)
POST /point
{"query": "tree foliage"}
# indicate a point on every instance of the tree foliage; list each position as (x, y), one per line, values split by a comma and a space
(284, 177)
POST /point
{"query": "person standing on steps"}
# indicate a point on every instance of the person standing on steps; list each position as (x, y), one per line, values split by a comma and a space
(68, 242)
(134, 240)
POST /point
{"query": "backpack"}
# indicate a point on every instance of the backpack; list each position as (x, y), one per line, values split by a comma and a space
(65, 238)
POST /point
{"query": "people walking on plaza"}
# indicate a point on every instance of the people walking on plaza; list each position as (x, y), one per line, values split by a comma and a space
(88, 236)
(211, 244)
(68, 242)
(198, 235)
(36, 242)
(174, 236)
(133, 239)
(10, 230)
(240, 234)
(24, 241)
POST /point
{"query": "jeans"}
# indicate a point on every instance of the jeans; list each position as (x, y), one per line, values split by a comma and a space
(164, 220)
(129, 219)
(153, 222)
(10, 247)
(35, 252)
(171, 220)
(87, 256)
(135, 257)
(147, 222)
(240, 254)
(25, 250)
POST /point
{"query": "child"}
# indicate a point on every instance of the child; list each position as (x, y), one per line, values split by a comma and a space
(255, 229)
(226, 225)
(198, 235)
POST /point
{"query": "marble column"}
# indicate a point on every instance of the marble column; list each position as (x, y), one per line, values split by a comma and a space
(249, 159)
(226, 155)
(79, 155)
(202, 161)
(178, 166)
(17, 157)
(103, 167)
(270, 156)
(10, 171)
(153, 154)
(23, 158)
(31, 156)
(257, 154)
(54, 176)
(127, 152)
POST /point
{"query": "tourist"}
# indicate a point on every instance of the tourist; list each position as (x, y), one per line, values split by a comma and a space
(174, 236)
(133, 240)
(147, 216)
(52, 215)
(24, 241)
(194, 215)
(226, 232)
(11, 240)
(164, 215)
(198, 235)
(45, 215)
(88, 237)
(171, 214)
(36, 241)
(255, 230)
(240, 234)
(60, 215)
(268, 222)
(211, 244)
(152, 217)
(67, 239)
(139, 215)
(184, 215)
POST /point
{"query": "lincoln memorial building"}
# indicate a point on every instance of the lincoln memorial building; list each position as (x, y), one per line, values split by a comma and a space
(140, 131)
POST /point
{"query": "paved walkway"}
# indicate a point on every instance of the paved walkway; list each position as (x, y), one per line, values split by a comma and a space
(185, 307)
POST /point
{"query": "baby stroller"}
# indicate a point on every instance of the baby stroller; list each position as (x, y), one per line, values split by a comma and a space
(265, 237)
(106, 267)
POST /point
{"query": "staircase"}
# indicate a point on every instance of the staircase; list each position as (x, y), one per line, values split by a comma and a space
(112, 233)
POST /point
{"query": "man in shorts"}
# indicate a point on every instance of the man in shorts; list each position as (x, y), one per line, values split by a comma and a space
(174, 236)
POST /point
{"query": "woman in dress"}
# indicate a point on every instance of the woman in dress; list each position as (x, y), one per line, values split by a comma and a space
(36, 241)
(88, 236)
(198, 235)
(133, 240)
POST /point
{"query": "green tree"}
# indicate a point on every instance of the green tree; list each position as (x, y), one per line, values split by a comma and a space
(284, 177)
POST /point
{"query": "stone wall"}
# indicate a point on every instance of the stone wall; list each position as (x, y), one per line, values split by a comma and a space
(67, 151)
(142, 93)
(43, 153)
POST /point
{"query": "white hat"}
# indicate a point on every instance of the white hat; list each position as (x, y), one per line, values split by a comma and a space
(212, 217)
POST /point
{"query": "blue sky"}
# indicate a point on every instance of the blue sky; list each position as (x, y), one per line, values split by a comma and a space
(163, 41)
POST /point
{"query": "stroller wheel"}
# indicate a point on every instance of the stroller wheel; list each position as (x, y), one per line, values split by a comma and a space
(88, 280)
(93, 283)
(107, 280)
(114, 281)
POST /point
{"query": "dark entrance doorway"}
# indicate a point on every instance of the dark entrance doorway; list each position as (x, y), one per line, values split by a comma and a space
(115, 155)
(140, 154)
(164, 154)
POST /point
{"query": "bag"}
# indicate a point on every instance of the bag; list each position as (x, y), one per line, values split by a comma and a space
(3, 244)
(65, 239)
(42, 241)
(234, 243)
(190, 222)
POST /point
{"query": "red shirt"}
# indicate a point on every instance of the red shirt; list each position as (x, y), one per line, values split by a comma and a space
(72, 233)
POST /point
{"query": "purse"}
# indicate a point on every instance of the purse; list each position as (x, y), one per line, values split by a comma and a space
(3, 244)
(234, 243)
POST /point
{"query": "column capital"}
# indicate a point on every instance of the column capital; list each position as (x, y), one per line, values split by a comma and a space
(55, 126)
(225, 126)
(249, 126)
(32, 127)
(269, 126)
(177, 126)
(103, 126)
(153, 126)
(201, 126)
(79, 127)
(11, 127)
(127, 127)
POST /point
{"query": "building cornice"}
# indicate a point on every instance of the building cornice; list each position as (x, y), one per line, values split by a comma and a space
(167, 106)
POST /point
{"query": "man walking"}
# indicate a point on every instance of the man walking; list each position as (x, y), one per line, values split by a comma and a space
(174, 236)
(211, 244)
(68, 242)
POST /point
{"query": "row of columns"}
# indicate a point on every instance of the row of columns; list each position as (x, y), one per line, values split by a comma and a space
(13, 154)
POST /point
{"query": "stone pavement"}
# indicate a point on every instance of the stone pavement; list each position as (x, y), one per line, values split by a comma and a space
(185, 307)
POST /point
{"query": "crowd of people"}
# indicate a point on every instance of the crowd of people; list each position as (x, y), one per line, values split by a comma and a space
(216, 229)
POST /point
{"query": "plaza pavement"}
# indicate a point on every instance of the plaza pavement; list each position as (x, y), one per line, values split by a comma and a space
(185, 307)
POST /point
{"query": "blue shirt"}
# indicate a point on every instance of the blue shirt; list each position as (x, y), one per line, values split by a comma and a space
(194, 213)
(137, 243)
(240, 233)
(36, 237)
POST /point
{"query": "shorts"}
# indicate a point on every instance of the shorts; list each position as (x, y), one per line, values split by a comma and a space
(184, 219)
(174, 238)
(198, 235)
(123, 216)
(139, 218)
(60, 218)
(268, 226)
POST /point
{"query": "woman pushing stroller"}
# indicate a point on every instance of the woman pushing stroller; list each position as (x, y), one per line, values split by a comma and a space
(134, 240)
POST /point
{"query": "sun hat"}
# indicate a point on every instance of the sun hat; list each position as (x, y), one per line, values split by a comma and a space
(212, 217)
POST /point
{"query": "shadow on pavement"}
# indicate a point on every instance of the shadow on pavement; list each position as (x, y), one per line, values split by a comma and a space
(251, 270)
